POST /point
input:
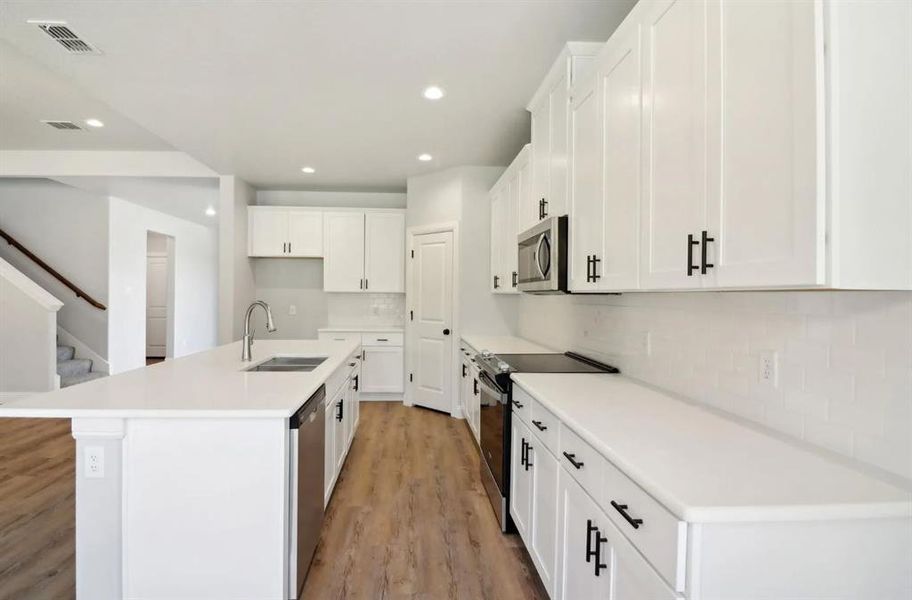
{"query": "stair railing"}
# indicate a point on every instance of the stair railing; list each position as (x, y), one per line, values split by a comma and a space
(76, 290)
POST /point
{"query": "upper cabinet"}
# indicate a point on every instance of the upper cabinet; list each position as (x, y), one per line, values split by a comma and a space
(506, 201)
(550, 135)
(289, 232)
(364, 251)
(716, 145)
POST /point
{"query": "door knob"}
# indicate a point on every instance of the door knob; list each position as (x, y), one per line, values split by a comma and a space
(446, 332)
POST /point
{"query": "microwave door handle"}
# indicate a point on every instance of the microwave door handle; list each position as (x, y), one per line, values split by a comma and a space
(538, 254)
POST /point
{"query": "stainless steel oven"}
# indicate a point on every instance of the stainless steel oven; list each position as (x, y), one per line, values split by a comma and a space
(543, 257)
(495, 421)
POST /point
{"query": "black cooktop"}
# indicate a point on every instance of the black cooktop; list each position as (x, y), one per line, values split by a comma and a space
(554, 363)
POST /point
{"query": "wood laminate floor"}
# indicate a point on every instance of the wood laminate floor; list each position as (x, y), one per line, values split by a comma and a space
(408, 518)
(37, 510)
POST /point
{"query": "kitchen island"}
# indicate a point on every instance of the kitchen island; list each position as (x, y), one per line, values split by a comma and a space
(184, 472)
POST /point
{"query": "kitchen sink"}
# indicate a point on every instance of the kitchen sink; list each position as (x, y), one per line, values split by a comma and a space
(289, 363)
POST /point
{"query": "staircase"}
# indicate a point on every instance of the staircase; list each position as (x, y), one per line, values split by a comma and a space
(74, 370)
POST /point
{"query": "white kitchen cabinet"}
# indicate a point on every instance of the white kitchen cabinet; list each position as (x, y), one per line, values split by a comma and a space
(343, 263)
(507, 196)
(549, 108)
(340, 438)
(384, 252)
(329, 453)
(469, 397)
(520, 480)
(382, 370)
(583, 551)
(542, 543)
(284, 232)
(364, 251)
(632, 578)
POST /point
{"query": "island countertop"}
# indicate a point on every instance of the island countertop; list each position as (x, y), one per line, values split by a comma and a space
(209, 384)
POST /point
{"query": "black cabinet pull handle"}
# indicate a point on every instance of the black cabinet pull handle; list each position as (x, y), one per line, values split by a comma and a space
(517, 404)
(289, 247)
(496, 282)
(705, 239)
(382, 339)
(463, 371)
(595, 261)
(539, 425)
(339, 410)
(361, 285)
(528, 456)
(544, 208)
(515, 279)
(588, 268)
(573, 461)
(691, 242)
(475, 387)
(599, 540)
(522, 452)
(622, 508)
(590, 529)
(356, 382)
(541, 208)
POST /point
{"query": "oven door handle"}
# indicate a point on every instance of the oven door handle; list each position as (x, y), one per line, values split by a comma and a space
(487, 385)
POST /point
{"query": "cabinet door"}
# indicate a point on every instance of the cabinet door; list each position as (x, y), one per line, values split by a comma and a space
(382, 370)
(475, 400)
(268, 232)
(340, 442)
(305, 233)
(356, 400)
(543, 538)
(541, 158)
(632, 578)
(766, 213)
(343, 246)
(329, 454)
(348, 413)
(674, 167)
(579, 536)
(556, 201)
(587, 224)
(511, 230)
(384, 268)
(621, 87)
(499, 201)
(520, 480)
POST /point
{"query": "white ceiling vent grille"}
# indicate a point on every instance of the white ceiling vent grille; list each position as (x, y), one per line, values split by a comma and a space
(64, 36)
(65, 125)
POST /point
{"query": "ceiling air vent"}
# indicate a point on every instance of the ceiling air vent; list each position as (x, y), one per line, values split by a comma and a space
(64, 36)
(69, 125)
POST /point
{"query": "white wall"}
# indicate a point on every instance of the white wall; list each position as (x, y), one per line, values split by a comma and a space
(844, 358)
(68, 229)
(28, 326)
(195, 283)
(461, 194)
(237, 288)
(283, 282)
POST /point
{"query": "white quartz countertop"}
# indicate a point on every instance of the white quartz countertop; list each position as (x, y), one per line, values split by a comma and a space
(704, 467)
(390, 329)
(210, 384)
(504, 344)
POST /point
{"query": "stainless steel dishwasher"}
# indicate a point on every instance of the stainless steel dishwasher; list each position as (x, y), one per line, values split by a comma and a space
(306, 447)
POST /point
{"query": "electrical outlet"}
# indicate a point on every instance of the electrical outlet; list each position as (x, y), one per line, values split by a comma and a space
(292, 310)
(768, 372)
(94, 462)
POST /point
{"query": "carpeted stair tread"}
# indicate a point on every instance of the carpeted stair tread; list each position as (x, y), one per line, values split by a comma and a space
(74, 379)
(66, 352)
(72, 367)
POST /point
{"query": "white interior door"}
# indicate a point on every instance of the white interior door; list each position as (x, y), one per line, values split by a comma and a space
(343, 246)
(156, 306)
(431, 341)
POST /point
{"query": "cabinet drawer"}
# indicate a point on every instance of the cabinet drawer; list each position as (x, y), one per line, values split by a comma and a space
(522, 404)
(382, 339)
(656, 533)
(545, 426)
(339, 336)
(334, 382)
(581, 460)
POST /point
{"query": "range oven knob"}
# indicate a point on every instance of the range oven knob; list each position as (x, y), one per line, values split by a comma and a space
(503, 367)
(486, 354)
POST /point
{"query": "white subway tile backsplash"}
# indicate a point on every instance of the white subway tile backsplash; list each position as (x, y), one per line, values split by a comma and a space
(844, 359)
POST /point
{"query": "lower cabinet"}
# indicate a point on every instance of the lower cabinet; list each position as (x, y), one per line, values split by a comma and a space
(520, 479)
(341, 423)
(583, 549)
(470, 396)
(382, 370)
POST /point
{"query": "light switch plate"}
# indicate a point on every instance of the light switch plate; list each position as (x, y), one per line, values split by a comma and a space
(292, 309)
(768, 372)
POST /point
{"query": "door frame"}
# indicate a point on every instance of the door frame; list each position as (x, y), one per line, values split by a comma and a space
(411, 232)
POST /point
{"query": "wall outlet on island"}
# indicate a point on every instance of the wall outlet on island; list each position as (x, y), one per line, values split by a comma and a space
(292, 309)
(94, 462)
(767, 374)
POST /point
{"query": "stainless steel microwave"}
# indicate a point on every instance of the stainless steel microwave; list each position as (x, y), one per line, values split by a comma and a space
(543, 257)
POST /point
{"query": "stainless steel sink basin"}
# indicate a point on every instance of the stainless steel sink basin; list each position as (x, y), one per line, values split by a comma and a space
(289, 363)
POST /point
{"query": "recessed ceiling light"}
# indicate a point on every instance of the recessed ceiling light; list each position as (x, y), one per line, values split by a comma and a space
(432, 92)
(94, 123)
(425, 157)
(309, 170)
(210, 212)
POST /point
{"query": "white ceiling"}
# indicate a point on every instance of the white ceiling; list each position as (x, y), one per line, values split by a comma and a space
(182, 197)
(259, 89)
(30, 93)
